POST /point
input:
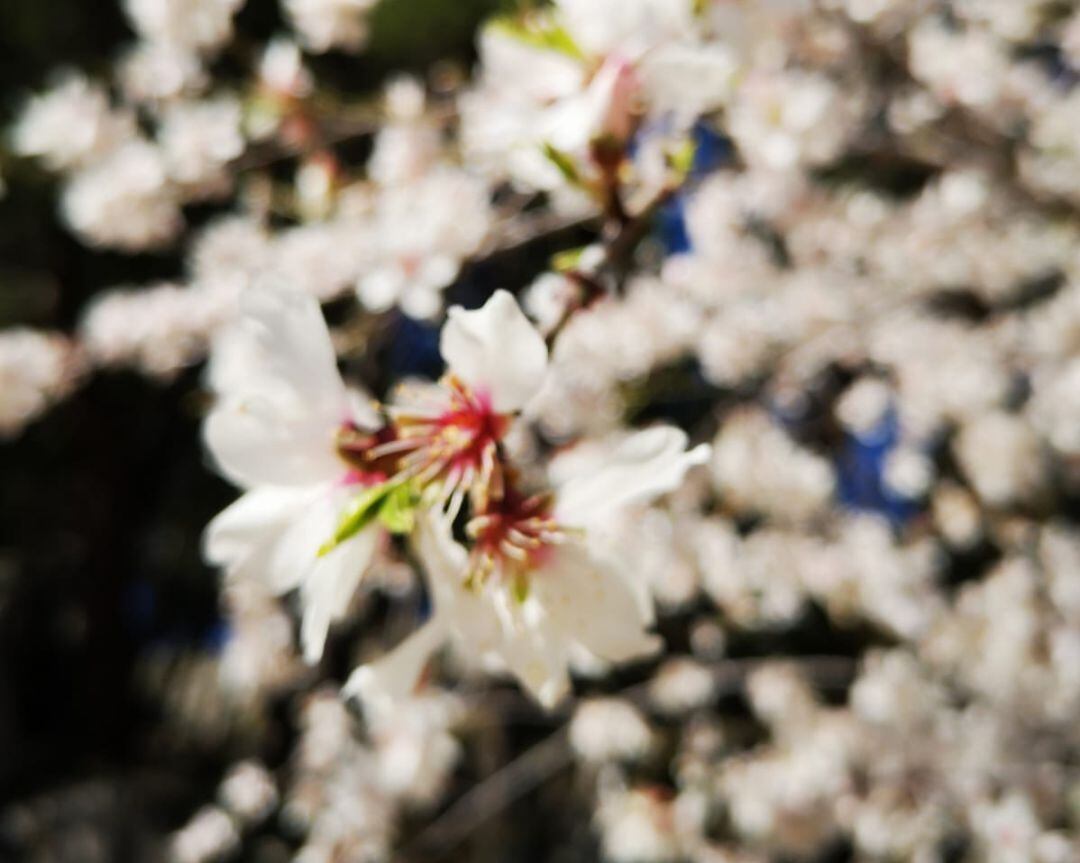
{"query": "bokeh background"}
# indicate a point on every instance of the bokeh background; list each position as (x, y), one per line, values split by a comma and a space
(113, 728)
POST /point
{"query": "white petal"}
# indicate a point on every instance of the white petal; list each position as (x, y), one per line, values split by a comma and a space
(273, 535)
(251, 521)
(329, 586)
(253, 442)
(380, 289)
(601, 108)
(362, 409)
(444, 560)
(538, 657)
(421, 301)
(289, 331)
(496, 351)
(485, 625)
(469, 614)
(637, 469)
(537, 74)
(268, 538)
(281, 398)
(437, 271)
(295, 550)
(590, 604)
(392, 678)
(264, 538)
(625, 27)
(692, 79)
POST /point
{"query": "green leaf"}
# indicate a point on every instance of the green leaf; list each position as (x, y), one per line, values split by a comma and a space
(397, 512)
(361, 511)
(564, 163)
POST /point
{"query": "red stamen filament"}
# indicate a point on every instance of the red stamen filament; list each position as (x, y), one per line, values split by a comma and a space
(514, 535)
(457, 447)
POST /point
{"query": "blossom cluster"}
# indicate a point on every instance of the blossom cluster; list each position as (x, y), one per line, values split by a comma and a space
(760, 489)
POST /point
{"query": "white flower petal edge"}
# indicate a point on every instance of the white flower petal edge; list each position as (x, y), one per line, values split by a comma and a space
(590, 604)
(394, 676)
(362, 409)
(281, 403)
(496, 351)
(329, 586)
(272, 535)
(381, 684)
(241, 537)
(574, 601)
(280, 396)
(636, 469)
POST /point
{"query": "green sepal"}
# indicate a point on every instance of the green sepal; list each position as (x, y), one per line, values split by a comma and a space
(397, 513)
(564, 262)
(520, 588)
(546, 35)
(564, 163)
(361, 511)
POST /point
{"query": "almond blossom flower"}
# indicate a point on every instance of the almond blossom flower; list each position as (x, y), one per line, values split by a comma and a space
(71, 125)
(124, 201)
(195, 25)
(288, 431)
(536, 591)
(325, 24)
(447, 438)
(574, 81)
(158, 71)
(36, 368)
(424, 230)
(198, 140)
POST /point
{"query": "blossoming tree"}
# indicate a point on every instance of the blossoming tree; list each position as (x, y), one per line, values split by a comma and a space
(696, 381)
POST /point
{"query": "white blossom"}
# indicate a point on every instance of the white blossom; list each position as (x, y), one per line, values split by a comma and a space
(783, 121)
(760, 469)
(125, 201)
(424, 231)
(637, 825)
(210, 835)
(204, 25)
(273, 433)
(154, 71)
(71, 125)
(1002, 457)
(682, 685)
(35, 369)
(532, 591)
(199, 139)
(608, 729)
(248, 791)
(325, 24)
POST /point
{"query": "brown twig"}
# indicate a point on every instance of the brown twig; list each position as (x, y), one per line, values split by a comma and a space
(491, 795)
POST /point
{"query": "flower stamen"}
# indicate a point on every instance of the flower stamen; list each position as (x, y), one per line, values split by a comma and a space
(512, 536)
(456, 447)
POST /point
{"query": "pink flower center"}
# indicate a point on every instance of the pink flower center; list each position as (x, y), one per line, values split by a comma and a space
(365, 479)
(455, 446)
(513, 535)
(360, 451)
